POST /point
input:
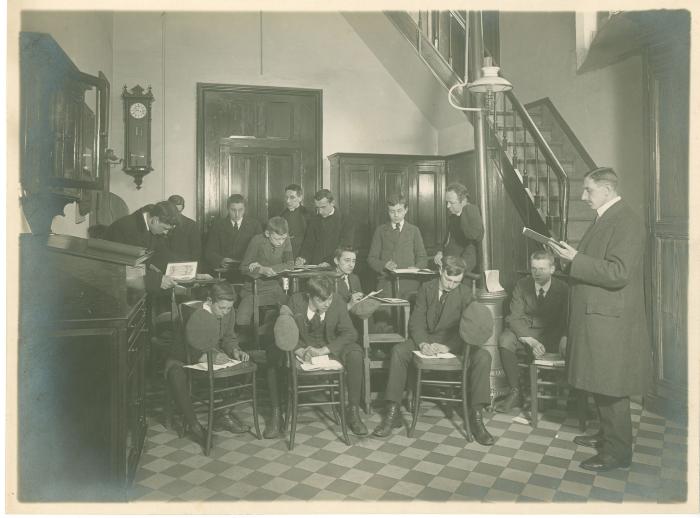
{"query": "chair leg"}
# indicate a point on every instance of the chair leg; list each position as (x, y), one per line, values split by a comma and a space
(168, 407)
(416, 403)
(465, 400)
(295, 408)
(366, 384)
(210, 420)
(581, 408)
(534, 404)
(290, 400)
(334, 408)
(341, 397)
(256, 422)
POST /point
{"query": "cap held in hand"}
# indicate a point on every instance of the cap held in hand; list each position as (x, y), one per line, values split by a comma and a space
(286, 330)
(476, 324)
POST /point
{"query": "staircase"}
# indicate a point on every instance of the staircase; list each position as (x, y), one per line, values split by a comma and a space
(531, 148)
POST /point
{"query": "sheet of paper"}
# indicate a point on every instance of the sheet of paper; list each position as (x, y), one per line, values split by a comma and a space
(413, 269)
(202, 366)
(371, 294)
(536, 236)
(493, 282)
(390, 300)
(182, 271)
(319, 364)
(439, 356)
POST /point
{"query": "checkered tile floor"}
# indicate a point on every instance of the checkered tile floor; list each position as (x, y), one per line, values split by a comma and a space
(436, 465)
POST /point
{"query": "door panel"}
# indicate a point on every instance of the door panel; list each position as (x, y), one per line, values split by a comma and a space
(255, 141)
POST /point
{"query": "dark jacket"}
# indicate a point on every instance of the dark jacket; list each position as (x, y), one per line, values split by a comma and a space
(298, 221)
(431, 322)
(337, 326)
(324, 235)
(132, 230)
(223, 241)
(547, 322)
(464, 235)
(185, 241)
(342, 289)
(608, 342)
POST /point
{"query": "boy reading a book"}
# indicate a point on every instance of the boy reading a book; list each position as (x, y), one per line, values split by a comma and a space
(536, 323)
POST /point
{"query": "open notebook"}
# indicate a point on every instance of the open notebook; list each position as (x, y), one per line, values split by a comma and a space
(319, 363)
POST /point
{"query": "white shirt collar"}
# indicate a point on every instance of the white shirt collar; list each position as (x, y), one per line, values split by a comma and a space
(545, 287)
(206, 306)
(601, 210)
(400, 225)
(239, 221)
(310, 313)
(145, 220)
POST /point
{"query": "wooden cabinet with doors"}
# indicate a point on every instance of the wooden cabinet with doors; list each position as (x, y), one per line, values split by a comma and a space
(63, 131)
(81, 390)
(361, 184)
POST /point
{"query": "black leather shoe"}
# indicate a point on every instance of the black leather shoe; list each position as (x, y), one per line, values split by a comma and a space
(603, 462)
(357, 427)
(273, 428)
(591, 441)
(392, 419)
(504, 405)
(230, 423)
(481, 434)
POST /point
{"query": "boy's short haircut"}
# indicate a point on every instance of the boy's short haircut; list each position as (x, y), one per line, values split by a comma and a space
(320, 286)
(222, 291)
(165, 211)
(396, 199)
(323, 193)
(460, 190)
(278, 225)
(454, 265)
(339, 251)
(235, 198)
(604, 175)
(542, 254)
(294, 187)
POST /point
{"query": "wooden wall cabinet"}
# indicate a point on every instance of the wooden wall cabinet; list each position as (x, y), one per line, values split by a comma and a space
(82, 420)
(362, 183)
(63, 130)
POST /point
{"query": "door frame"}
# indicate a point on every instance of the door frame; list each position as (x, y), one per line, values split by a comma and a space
(203, 88)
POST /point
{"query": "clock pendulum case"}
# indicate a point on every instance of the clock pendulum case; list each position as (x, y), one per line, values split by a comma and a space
(137, 132)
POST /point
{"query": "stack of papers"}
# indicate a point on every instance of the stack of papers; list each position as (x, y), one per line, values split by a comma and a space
(182, 271)
(439, 356)
(319, 363)
(202, 366)
(551, 360)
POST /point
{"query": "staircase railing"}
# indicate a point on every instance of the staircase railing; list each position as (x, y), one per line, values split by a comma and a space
(516, 144)
(543, 176)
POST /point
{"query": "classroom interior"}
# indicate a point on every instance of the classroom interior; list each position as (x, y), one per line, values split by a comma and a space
(357, 102)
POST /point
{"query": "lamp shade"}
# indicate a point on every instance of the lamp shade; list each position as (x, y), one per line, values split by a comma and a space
(489, 81)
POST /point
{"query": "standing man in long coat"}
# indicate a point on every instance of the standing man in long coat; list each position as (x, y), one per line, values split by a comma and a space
(609, 352)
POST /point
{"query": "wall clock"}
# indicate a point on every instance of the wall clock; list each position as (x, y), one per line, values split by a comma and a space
(137, 132)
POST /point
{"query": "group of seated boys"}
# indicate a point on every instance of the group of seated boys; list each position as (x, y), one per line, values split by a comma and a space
(325, 310)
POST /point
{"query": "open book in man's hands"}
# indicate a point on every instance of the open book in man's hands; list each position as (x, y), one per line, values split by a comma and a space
(536, 236)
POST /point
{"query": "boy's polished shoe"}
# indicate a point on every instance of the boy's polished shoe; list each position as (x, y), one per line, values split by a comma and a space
(603, 462)
(591, 441)
(392, 419)
(357, 427)
(481, 434)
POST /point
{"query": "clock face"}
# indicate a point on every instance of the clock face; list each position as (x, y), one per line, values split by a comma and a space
(138, 110)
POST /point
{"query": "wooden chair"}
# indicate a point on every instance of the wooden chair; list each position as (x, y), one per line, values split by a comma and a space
(458, 365)
(374, 339)
(303, 382)
(203, 386)
(551, 387)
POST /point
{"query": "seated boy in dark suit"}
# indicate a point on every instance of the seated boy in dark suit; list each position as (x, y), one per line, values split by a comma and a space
(325, 328)
(348, 285)
(434, 327)
(537, 321)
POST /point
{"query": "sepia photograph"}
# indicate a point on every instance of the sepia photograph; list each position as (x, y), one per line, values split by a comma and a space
(306, 259)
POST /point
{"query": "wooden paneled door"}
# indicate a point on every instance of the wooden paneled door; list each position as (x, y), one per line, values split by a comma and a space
(668, 102)
(254, 141)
